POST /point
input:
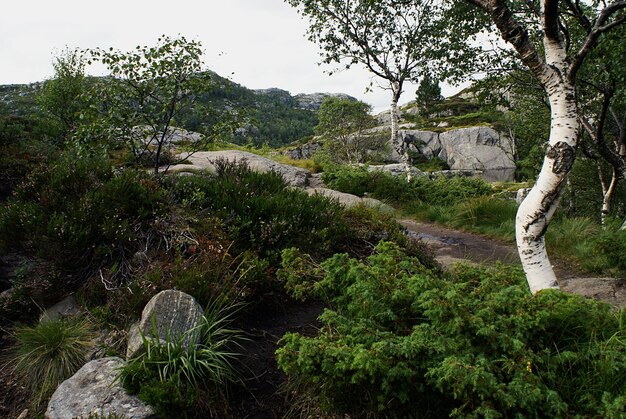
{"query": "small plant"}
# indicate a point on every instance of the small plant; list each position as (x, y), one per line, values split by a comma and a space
(169, 375)
(46, 354)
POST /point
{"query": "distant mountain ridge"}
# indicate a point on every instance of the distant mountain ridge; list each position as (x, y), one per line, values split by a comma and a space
(275, 117)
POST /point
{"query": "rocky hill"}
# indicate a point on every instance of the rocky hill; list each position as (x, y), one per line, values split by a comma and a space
(275, 116)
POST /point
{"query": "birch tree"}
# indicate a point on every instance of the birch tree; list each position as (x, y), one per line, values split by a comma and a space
(555, 62)
(397, 41)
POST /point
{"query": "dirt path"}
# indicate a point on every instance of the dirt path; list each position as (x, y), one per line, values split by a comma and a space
(453, 246)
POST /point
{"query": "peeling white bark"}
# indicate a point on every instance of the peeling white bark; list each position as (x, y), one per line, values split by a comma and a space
(536, 211)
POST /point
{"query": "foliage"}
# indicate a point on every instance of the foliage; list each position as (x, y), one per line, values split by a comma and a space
(342, 122)
(165, 81)
(46, 354)
(79, 214)
(65, 97)
(399, 340)
(427, 93)
(263, 213)
(169, 375)
(440, 190)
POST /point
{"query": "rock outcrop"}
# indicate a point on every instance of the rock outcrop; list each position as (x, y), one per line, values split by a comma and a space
(170, 312)
(313, 101)
(349, 200)
(95, 390)
(305, 151)
(205, 160)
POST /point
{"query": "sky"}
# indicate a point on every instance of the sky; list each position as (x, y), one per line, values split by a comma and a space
(256, 43)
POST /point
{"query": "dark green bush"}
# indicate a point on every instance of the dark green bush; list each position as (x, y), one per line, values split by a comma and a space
(262, 212)
(79, 214)
(400, 341)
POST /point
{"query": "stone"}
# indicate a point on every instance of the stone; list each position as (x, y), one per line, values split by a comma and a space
(95, 390)
(305, 151)
(67, 307)
(174, 135)
(170, 312)
(425, 142)
(396, 169)
(349, 200)
(205, 160)
(479, 148)
(313, 101)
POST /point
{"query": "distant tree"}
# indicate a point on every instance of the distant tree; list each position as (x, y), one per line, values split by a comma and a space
(149, 88)
(342, 123)
(397, 41)
(64, 96)
(428, 92)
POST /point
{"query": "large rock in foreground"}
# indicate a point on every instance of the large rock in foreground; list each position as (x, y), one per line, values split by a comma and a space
(205, 160)
(95, 390)
(170, 312)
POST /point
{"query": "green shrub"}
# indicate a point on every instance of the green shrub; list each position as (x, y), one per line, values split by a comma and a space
(46, 354)
(170, 376)
(439, 191)
(261, 211)
(400, 341)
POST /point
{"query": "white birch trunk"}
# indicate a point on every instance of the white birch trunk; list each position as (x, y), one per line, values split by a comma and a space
(395, 137)
(536, 211)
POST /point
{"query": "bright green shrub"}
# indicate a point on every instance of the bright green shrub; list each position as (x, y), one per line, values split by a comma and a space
(439, 191)
(400, 341)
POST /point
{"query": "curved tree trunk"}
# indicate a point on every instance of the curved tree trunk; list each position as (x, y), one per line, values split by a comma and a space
(536, 211)
(397, 145)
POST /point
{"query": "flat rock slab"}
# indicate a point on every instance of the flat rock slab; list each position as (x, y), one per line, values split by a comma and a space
(205, 160)
(95, 390)
(349, 200)
(169, 313)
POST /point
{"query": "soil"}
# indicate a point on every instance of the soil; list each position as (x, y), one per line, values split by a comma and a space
(451, 246)
(261, 395)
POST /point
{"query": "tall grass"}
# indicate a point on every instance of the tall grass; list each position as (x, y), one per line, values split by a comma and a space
(46, 354)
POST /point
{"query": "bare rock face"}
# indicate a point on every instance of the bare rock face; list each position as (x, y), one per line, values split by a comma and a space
(205, 160)
(477, 148)
(426, 143)
(349, 200)
(94, 390)
(169, 312)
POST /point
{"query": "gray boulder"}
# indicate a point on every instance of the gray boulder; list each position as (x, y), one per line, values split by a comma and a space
(425, 142)
(479, 148)
(396, 169)
(169, 312)
(67, 307)
(349, 200)
(205, 160)
(95, 390)
(305, 151)
(173, 135)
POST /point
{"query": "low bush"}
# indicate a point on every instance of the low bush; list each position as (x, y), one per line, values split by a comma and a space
(261, 211)
(439, 191)
(400, 341)
(46, 354)
(170, 376)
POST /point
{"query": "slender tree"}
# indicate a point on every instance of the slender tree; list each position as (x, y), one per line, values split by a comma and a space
(555, 62)
(396, 40)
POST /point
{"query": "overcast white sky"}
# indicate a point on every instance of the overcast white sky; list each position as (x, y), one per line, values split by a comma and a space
(256, 43)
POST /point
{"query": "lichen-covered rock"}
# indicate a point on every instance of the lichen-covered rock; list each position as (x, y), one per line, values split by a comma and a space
(349, 200)
(424, 142)
(477, 148)
(396, 169)
(205, 160)
(305, 151)
(95, 390)
(170, 312)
